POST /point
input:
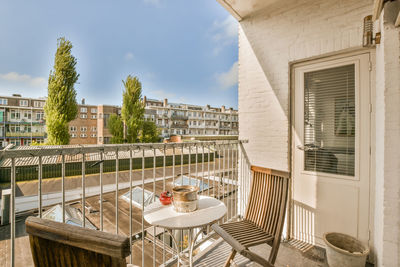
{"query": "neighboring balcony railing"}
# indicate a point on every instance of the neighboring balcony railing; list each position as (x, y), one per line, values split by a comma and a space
(179, 117)
(25, 134)
(110, 185)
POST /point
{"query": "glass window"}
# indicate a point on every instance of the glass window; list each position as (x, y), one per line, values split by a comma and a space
(329, 120)
(23, 103)
(83, 110)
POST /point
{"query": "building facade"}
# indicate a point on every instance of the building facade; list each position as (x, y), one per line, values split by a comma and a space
(21, 120)
(83, 130)
(186, 119)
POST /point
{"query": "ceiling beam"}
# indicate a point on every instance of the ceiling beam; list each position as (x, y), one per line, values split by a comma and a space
(378, 6)
(229, 8)
(397, 23)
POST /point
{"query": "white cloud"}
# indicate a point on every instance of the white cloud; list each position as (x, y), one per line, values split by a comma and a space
(25, 79)
(224, 33)
(228, 79)
(156, 3)
(128, 56)
(28, 86)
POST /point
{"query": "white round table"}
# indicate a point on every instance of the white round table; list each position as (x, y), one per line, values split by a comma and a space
(208, 212)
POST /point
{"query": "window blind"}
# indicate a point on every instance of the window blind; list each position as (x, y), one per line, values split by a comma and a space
(329, 120)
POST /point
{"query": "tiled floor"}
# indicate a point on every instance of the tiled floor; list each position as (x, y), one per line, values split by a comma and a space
(288, 256)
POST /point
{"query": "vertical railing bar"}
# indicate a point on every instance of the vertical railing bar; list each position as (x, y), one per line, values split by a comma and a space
(196, 169)
(223, 179)
(101, 190)
(173, 166)
(189, 164)
(229, 193)
(164, 151)
(63, 186)
(40, 177)
(116, 189)
(83, 192)
(130, 205)
(154, 198)
(234, 184)
(182, 163)
(12, 209)
(219, 171)
(202, 163)
(214, 170)
(208, 168)
(241, 182)
(143, 206)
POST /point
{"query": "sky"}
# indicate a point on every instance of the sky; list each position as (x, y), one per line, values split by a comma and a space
(182, 50)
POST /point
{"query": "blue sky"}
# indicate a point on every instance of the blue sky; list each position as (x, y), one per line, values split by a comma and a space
(182, 50)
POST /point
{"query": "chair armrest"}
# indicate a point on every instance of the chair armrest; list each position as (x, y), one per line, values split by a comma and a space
(228, 238)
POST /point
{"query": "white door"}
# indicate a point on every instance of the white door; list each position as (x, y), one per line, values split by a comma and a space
(331, 149)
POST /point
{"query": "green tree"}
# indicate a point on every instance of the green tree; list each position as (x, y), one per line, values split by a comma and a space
(116, 127)
(149, 133)
(61, 106)
(132, 112)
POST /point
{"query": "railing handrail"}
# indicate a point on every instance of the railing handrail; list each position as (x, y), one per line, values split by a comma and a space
(33, 151)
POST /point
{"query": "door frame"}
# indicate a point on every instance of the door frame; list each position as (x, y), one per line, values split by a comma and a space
(372, 78)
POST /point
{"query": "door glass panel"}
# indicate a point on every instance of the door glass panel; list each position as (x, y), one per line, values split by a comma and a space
(329, 120)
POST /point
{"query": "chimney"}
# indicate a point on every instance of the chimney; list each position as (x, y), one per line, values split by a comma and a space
(144, 100)
(223, 108)
(165, 102)
(83, 101)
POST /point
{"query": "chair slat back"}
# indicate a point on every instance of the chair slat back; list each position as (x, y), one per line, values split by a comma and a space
(267, 201)
(59, 244)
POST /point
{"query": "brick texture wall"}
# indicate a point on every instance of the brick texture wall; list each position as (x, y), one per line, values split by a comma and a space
(387, 193)
(268, 42)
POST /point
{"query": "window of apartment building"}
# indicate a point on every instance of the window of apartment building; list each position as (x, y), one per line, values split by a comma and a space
(73, 135)
(94, 129)
(83, 128)
(93, 110)
(83, 116)
(38, 104)
(23, 103)
(93, 135)
(105, 121)
(83, 135)
(14, 114)
(3, 101)
(39, 116)
(94, 116)
(15, 128)
(84, 110)
(27, 115)
(72, 128)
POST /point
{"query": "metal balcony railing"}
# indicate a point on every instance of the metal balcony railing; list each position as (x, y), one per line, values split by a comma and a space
(103, 180)
(25, 134)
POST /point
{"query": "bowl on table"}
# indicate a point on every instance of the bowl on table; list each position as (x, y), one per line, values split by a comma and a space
(184, 198)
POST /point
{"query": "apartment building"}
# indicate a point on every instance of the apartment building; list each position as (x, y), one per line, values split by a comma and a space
(186, 119)
(83, 130)
(21, 120)
(104, 112)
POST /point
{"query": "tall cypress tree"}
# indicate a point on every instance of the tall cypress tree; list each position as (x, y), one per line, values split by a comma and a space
(61, 106)
(132, 112)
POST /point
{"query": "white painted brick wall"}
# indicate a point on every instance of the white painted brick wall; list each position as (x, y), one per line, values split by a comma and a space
(387, 195)
(268, 42)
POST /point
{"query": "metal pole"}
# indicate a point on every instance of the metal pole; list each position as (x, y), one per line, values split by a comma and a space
(63, 186)
(116, 189)
(40, 186)
(83, 192)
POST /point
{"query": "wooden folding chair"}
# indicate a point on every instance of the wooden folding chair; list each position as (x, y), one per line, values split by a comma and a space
(264, 217)
(56, 244)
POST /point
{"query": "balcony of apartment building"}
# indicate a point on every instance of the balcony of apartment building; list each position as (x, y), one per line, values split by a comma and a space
(175, 125)
(179, 116)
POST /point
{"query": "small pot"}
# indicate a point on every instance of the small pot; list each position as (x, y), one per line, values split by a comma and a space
(184, 198)
(165, 198)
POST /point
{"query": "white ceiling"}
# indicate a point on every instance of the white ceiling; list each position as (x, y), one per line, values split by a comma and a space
(243, 8)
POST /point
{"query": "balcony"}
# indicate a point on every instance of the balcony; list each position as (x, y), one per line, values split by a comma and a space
(90, 175)
(25, 134)
(179, 117)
